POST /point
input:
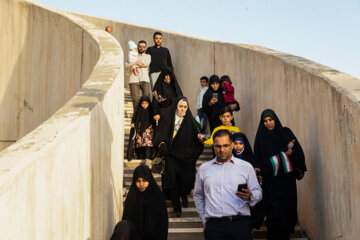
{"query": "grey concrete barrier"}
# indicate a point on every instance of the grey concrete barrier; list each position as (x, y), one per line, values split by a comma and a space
(61, 105)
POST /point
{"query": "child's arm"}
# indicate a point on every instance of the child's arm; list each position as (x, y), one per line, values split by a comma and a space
(228, 87)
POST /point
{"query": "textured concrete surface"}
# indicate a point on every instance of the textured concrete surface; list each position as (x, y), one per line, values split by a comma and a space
(62, 99)
(320, 105)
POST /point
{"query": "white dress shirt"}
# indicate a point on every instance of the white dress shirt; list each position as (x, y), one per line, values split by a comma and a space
(143, 71)
(216, 186)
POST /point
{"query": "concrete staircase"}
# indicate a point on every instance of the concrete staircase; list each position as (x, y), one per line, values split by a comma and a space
(189, 224)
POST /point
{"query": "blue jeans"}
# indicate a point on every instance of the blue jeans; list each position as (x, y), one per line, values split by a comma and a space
(203, 116)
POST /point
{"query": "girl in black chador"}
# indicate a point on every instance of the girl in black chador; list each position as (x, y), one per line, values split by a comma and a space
(145, 206)
(242, 148)
(213, 101)
(142, 130)
(182, 149)
(280, 160)
(166, 90)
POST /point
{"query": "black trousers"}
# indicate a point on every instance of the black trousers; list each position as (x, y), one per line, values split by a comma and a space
(239, 229)
(277, 232)
(175, 195)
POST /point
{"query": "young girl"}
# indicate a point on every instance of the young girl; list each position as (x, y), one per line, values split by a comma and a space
(228, 91)
(142, 130)
(242, 148)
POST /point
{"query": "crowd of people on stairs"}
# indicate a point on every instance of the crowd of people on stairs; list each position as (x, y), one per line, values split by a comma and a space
(239, 189)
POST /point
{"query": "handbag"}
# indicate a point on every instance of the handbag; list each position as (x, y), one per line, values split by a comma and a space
(158, 166)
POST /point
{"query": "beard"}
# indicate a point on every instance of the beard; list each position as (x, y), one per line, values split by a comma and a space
(141, 51)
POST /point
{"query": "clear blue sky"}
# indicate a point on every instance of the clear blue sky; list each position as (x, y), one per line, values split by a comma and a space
(325, 31)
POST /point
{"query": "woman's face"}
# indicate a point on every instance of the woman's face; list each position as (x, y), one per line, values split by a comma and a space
(215, 86)
(238, 146)
(269, 123)
(144, 104)
(141, 184)
(182, 108)
(167, 78)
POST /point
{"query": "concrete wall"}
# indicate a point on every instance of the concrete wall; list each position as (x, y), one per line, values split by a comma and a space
(45, 60)
(320, 105)
(61, 98)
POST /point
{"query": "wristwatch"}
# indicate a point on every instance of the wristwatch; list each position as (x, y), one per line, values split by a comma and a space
(251, 198)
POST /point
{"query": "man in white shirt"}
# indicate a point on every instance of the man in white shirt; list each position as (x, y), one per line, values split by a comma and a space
(140, 81)
(223, 209)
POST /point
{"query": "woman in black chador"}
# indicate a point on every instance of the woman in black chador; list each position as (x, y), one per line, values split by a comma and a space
(166, 90)
(182, 149)
(142, 130)
(280, 160)
(145, 206)
(213, 101)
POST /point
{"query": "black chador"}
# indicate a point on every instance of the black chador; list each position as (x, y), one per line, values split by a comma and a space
(279, 172)
(212, 112)
(182, 151)
(165, 95)
(247, 153)
(146, 210)
(257, 216)
(141, 135)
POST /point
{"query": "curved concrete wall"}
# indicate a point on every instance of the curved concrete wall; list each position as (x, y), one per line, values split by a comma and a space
(62, 100)
(319, 104)
(45, 60)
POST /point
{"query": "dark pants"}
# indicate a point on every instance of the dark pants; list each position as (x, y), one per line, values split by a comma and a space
(239, 229)
(202, 115)
(135, 91)
(175, 196)
(277, 232)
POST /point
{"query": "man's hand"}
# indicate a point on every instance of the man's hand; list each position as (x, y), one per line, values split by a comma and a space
(204, 226)
(132, 125)
(245, 194)
(157, 117)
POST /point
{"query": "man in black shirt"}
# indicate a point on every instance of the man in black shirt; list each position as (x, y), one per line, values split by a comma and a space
(160, 58)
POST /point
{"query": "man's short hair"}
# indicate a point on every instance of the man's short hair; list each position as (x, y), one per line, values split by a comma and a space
(142, 41)
(157, 33)
(204, 78)
(224, 110)
(222, 133)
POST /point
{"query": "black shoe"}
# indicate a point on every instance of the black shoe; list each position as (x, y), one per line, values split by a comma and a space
(178, 212)
(185, 202)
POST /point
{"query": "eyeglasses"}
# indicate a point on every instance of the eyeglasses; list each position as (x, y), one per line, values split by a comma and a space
(222, 146)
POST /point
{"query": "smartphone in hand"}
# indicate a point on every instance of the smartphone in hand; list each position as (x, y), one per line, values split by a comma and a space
(241, 187)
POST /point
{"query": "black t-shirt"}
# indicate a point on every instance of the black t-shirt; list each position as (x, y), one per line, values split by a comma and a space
(160, 58)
